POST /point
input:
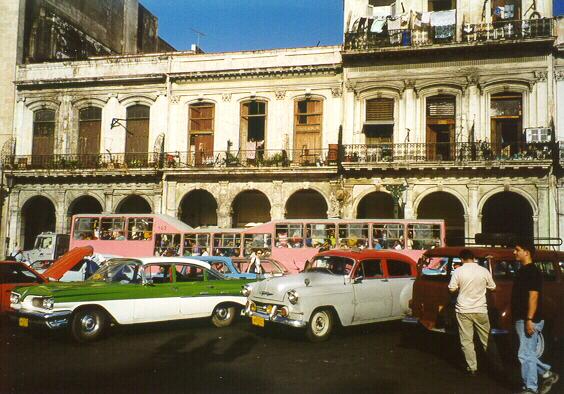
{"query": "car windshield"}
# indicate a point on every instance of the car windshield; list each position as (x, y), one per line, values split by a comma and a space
(335, 265)
(17, 273)
(118, 271)
(442, 266)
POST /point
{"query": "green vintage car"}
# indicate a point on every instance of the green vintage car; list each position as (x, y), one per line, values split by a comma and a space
(129, 291)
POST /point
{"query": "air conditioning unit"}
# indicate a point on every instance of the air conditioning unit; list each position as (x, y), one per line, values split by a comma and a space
(538, 134)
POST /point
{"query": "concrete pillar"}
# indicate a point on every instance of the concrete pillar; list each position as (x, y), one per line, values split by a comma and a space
(410, 118)
(474, 112)
(60, 213)
(171, 208)
(473, 221)
(544, 212)
(109, 202)
(224, 205)
(277, 210)
(130, 22)
(408, 208)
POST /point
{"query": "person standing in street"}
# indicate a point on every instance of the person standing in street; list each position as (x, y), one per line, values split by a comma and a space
(471, 282)
(526, 309)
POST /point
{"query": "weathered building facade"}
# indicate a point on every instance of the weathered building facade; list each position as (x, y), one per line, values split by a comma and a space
(440, 119)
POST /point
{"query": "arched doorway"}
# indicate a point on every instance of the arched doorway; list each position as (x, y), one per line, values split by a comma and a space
(83, 204)
(38, 215)
(134, 204)
(443, 205)
(376, 205)
(198, 208)
(508, 212)
(306, 204)
(250, 206)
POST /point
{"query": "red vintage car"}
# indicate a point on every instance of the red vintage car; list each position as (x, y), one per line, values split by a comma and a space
(433, 306)
(14, 274)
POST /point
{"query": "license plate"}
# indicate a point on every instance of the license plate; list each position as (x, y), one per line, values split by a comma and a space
(23, 322)
(257, 321)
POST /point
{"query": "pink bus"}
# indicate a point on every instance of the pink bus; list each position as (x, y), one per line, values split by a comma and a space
(131, 235)
(294, 241)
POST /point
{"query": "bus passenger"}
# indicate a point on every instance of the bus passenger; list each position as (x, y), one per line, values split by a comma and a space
(377, 245)
(282, 240)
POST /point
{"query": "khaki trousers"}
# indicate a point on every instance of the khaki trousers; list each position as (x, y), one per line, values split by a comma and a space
(468, 323)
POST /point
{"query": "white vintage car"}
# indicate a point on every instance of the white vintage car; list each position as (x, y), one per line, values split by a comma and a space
(341, 286)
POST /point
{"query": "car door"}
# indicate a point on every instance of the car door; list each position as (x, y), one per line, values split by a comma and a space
(401, 276)
(372, 292)
(195, 292)
(158, 300)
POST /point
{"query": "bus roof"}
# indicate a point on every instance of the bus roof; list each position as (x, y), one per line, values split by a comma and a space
(180, 225)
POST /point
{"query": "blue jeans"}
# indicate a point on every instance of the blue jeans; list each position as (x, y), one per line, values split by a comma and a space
(531, 366)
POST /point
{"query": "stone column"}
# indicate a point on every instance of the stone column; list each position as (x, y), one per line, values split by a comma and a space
(223, 205)
(542, 107)
(60, 213)
(14, 224)
(471, 219)
(108, 202)
(171, 208)
(408, 208)
(473, 119)
(544, 212)
(277, 210)
(410, 115)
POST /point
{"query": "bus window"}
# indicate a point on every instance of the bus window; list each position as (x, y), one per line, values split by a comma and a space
(140, 229)
(167, 245)
(255, 242)
(289, 235)
(388, 236)
(424, 236)
(353, 235)
(320, 236)
(227, 244)
(86, 228)
(196, 244)
(112, 228)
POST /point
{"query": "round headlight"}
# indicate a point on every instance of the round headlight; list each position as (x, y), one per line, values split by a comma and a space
(14, 298)
(48, 303)
(293, 296)
(253, 307)
(284, 311)
(246, 291)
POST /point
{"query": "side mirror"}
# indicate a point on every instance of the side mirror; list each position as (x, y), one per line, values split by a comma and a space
(148, 282)
(358, 279)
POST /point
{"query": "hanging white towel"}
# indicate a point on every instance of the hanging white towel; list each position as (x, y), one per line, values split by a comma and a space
(426, 18)
(378, 25)
(394, 23)
(443, 18)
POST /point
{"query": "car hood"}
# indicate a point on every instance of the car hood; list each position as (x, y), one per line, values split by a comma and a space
(66, 262)
(277, 287)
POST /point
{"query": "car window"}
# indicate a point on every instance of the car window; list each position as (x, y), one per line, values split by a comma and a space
(398, 268)
(220, 266)
(119, 271)
(505, 269)
(189, 273)
(441, 267)
(335, 265)
(15, 273)
(158, 273)
(547, 269)
(371, 268)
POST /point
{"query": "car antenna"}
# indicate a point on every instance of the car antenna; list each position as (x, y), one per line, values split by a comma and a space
(295, 265)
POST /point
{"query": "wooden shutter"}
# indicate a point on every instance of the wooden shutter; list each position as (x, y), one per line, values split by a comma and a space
(442, 107)
(380, 109)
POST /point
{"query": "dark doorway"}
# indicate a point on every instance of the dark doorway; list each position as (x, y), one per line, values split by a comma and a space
(508, 212)
(376, 205)
(134, 204)
(440, 120)
(84, 204)
(38, 215)
(198, 209)
(306, 204)
(443, 205)
(251, 206)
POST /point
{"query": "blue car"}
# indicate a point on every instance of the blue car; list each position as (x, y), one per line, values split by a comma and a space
(239, 267)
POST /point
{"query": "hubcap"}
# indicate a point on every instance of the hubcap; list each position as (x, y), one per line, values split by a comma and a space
(320, 323)
(222, 313)
(89, 323)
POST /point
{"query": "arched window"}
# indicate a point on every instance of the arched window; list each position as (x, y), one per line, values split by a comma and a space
(379, 121)
(441, 123)
(506, 122)
(43, 144)
(137, 135)
(200, 131)
(89, 127)
(308, 117)
(253, 128)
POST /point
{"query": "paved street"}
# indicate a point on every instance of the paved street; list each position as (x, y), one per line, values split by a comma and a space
(193, 356)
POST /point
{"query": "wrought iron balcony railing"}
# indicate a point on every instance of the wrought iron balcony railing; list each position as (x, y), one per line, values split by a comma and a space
(496, 31)
(378, 154)
(446, 152)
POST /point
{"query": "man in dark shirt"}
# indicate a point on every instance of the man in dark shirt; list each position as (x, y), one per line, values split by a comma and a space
(526, 309)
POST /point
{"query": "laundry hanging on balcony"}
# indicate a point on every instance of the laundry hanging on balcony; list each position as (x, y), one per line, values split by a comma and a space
(443, 23)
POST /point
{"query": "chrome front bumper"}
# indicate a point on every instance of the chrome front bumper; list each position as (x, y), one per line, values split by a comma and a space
(277, 319)
(51, 320)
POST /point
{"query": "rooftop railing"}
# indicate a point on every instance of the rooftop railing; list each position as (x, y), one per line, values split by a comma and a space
(425, 36)
(376, 154)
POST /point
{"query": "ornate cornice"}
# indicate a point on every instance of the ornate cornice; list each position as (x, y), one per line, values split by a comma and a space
(541, 76)
(559, 75)
(268, 72)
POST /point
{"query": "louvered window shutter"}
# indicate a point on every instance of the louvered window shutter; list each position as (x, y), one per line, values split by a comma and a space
(381, 109)
(441, 107)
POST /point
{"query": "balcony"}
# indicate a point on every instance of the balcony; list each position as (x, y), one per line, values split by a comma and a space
(496, 32)
(379, 155)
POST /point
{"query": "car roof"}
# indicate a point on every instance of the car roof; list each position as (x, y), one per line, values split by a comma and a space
(367, 253)
(500, 253)
(167, 260)
(209, 258)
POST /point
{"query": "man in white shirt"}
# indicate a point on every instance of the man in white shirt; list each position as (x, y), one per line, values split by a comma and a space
(471, 282)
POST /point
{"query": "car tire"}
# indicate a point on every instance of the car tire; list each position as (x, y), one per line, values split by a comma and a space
(320, 325)
(88, 324)
(223, 316)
